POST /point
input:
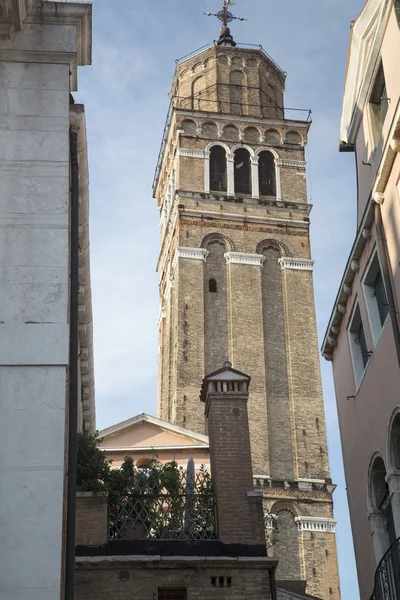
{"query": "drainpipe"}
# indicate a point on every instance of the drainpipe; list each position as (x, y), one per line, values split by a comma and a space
(73, 369)
(272, 583)
(384, 256)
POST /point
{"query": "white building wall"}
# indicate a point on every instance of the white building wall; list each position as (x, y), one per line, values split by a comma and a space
(34, 334)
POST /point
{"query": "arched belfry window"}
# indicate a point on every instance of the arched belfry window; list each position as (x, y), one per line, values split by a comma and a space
(242, 171)
(212, 286)
(218, 180)
(267, 174)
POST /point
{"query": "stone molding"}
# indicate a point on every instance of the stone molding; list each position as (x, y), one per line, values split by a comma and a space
(168, 287)
(191, 153)
(192, 253)
(161, 315)
(297, 264)
(316, 524)
(292, 164)
(241, 258)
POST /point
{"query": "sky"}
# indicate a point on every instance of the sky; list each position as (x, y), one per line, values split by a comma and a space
(125, 92)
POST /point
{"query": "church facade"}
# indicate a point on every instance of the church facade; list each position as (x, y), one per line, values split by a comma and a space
(236, 284)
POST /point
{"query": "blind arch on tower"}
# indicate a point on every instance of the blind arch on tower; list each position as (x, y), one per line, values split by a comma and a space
(198, 88)
(280, 441)
(215, 304)
(287, 543)
(238, 96)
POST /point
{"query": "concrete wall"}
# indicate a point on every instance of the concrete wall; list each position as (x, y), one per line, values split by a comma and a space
(34, 182)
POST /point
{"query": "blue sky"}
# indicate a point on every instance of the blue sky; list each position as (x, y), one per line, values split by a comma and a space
(135, 44)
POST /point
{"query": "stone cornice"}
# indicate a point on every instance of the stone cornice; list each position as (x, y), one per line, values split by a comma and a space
(297, 264)
(370, 28)
(316, 524)
(241, 258)
(191, 253)
(12, 16)
(382, 177)
(265, 122)
(23, 47)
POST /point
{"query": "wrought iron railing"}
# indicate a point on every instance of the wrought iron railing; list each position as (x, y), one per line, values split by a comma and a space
(188, 512)
(387, 575)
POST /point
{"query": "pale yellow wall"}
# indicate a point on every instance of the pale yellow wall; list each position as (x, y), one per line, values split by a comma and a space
(144, 435)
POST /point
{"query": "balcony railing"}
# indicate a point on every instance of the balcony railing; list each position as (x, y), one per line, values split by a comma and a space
(186, 513)
(387, 576)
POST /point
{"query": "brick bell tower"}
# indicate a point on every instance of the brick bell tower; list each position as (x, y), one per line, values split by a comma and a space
(236, 283)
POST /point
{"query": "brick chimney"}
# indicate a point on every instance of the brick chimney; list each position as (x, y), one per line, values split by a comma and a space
(240, 513)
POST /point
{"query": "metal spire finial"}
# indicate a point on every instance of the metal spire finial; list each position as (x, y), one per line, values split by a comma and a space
(225, 15)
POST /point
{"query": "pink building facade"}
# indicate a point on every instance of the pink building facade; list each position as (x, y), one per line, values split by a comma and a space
(363, 335)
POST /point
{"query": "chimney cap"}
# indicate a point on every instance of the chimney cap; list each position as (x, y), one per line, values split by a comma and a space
(227, 373)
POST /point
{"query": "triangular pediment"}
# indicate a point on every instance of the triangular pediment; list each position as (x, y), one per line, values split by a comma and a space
(365, 44)
(145, 431)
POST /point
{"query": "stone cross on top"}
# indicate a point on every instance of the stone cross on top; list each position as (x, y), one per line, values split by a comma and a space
(226, 17)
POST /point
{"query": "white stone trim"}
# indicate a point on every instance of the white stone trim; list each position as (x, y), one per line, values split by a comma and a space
(230, 167)
(161, 315)
(191, 153)
(241, 258)
(293, 164)
(168, 287)
(192, 253)
(316, 524)
(207, 155)
(255, 186)
(297, 264)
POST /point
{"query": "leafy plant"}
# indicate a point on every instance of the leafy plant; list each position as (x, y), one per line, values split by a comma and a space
(152, 501)
(93, 472)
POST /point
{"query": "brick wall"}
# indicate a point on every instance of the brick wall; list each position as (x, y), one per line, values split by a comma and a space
(215, 307)
(91, 519)
(268, 314)
(240, 515)
(141, 579)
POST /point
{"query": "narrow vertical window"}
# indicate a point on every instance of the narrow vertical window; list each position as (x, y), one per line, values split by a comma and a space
(242, 171)
(379, 104)
(212, 286)
(358, 346)
(266, 174)
(218, 179)
(375, 297)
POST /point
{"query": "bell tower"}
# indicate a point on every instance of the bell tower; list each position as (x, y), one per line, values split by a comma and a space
(236, 283)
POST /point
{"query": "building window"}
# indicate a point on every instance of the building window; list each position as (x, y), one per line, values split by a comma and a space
(267, 174)
(397, 11)
(378, 105)
(212, 286)
(218, 169)
(172, 594)
(375, 297)
(242, 171)
(358, 346)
